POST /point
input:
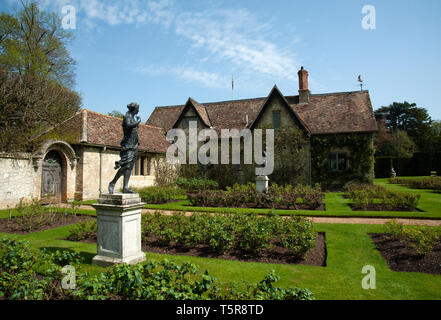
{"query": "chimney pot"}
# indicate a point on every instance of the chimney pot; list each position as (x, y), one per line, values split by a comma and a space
(303, 86)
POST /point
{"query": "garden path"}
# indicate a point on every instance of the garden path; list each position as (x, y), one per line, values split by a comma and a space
(342, 220)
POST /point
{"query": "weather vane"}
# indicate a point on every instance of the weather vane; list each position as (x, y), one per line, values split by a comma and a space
(361, 82)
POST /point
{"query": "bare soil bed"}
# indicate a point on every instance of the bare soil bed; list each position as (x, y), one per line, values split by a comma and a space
(315, 257)
(400, 256)
(17, 225)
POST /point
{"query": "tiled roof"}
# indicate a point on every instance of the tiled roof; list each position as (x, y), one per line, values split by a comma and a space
(88, 127)
(202, 112)
(326, 113)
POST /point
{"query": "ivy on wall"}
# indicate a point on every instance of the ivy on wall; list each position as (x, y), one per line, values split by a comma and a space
(360, 157)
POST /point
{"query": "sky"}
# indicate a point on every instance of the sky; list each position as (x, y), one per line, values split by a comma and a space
(160, 52)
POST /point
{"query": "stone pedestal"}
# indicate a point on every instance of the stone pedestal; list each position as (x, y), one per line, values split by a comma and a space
(119, 229)
(261, 183)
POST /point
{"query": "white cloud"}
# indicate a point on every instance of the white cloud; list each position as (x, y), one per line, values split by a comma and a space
(204, 78)
(231, 40)
(116, 12)
(237, 37)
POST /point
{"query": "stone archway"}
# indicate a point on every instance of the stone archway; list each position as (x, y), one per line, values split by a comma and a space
(56, 162)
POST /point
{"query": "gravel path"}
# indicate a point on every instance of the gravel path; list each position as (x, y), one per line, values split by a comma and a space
(342, 220)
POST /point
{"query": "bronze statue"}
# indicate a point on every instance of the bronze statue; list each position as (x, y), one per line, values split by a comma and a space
(129, 148)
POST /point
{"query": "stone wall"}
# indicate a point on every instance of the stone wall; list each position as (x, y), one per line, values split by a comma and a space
(83, 178)
(276, 104)
(21, 176)
(17, 181)
(96, 169)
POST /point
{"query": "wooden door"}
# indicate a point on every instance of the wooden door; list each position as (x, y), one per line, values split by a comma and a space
(51, 178)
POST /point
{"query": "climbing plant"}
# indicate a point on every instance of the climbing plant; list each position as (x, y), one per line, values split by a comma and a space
(360, 158)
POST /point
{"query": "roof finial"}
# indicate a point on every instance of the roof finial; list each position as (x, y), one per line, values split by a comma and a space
(361, 82)
(232, 86)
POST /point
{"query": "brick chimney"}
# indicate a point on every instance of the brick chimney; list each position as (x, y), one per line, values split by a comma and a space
(303, 86)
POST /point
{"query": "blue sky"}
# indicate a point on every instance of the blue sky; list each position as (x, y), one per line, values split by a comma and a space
(160, 52)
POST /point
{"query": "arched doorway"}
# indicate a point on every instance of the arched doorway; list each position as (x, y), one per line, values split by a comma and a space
(52, 178)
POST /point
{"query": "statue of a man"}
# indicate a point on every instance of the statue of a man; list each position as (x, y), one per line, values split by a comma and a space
(129, 148)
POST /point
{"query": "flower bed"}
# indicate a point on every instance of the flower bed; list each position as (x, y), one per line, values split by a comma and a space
(33, 217)
(410, 248)
(432, 183)
(276, 197)
(234, 237)
(31, 274)
(378, 198)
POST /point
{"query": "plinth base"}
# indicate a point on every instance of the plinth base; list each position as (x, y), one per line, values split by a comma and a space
(103, 261)
(262, 183)
(118, 229)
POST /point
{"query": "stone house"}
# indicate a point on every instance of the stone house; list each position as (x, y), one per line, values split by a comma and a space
(338, 128)
(75, 160)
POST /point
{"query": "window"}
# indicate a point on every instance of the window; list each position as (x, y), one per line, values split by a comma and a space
(276, 119)
(142, 167)
(338, 161)
(186, 121)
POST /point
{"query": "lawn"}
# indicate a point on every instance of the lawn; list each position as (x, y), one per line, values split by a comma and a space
(336, 206)
(349, 248)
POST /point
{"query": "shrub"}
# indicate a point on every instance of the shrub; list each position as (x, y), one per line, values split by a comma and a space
(296, 233)
(64, 257)
(422, 239)
(255, 234)
(432, 183)
(364, 196)
(156, 195)
(28, 273)
(83, 230)
(283, 197)
(167, 280)
(223, 233)
(165, 173)
(220, 234)
(195, 184)
(32, 216)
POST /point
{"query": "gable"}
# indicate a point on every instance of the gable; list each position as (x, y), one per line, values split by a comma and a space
(193, 109)
(188, 114)
(276, 103)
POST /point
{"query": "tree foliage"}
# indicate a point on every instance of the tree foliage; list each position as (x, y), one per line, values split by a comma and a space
(395, 145)
(33, 43)
(30, 105)
(36, 73)
(415, 121)
(116, 114)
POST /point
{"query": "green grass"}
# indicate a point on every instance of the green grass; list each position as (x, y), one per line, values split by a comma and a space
(87, 202)
(13, 212)
(349, 248)
(336, 206)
